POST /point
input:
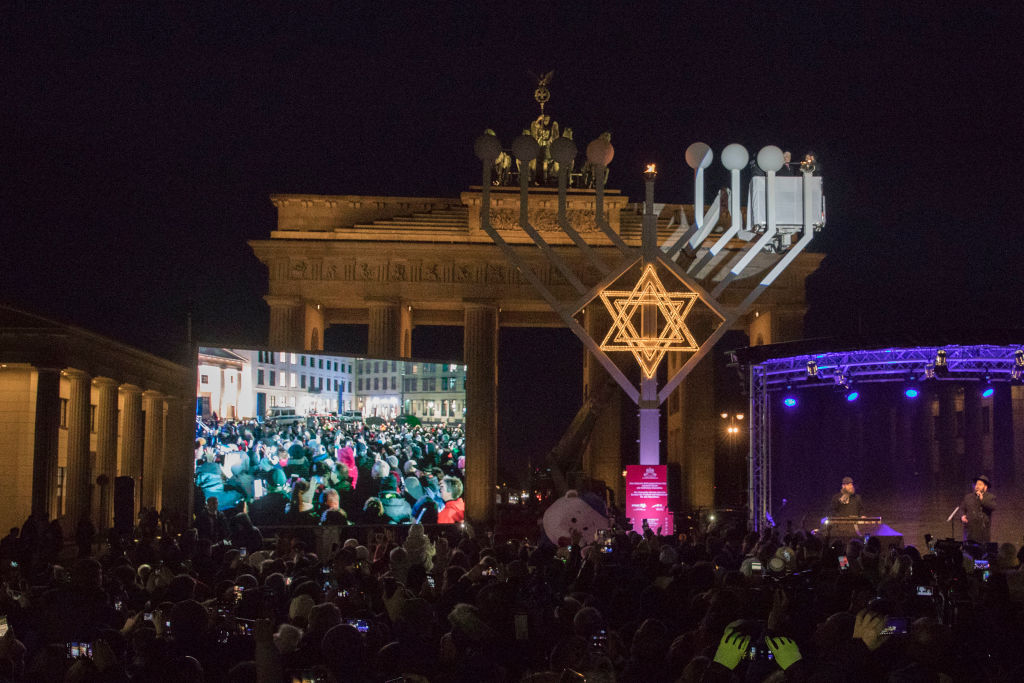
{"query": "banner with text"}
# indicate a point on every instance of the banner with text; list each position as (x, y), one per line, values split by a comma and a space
(647, 497)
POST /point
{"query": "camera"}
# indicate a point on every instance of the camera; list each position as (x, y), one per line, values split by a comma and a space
(844, 562)
(925, 591)
(599, 642)
(361, 625)
(895, 626)
(76, 650)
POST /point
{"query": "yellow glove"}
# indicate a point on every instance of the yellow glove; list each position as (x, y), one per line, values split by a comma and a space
(731, 648)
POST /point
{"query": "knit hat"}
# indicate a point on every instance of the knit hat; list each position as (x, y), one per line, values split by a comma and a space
(380, 469)
(287, 638)
(277, 477)
(413, 487)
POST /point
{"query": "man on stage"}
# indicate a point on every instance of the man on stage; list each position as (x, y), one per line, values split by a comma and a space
(846, 503)
(976, 509)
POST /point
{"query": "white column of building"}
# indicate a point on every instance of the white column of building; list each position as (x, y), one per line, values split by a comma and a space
(47, 436)
(106, 448)
(78, 480)
(178, 465)
(153, 454)
(131, 436)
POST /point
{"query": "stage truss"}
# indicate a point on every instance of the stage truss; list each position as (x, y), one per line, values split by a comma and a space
(913, 365)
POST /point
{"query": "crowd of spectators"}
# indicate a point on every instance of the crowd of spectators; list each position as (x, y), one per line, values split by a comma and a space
(447, 603)
(324, 470)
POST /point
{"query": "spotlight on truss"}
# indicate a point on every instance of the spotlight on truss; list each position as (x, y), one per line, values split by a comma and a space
(812, 371)
(1017, 371)
(941, 363)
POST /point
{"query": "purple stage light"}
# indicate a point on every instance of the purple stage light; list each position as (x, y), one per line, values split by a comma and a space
(911, 393)
(987, 393)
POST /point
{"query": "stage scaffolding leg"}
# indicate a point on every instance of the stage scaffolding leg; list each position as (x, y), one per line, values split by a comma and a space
(759, 487)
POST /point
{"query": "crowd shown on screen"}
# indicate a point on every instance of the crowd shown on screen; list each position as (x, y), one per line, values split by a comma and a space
(331, 472)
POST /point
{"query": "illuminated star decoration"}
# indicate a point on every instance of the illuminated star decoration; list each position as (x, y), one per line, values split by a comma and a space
(629, 310)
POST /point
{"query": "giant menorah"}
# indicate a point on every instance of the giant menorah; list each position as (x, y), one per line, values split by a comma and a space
(651, 292)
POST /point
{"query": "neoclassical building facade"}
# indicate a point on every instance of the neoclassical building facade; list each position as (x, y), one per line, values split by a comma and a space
(392, 263)
(78, 410)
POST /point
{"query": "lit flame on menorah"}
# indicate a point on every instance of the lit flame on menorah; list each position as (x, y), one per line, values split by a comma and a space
(649, 319)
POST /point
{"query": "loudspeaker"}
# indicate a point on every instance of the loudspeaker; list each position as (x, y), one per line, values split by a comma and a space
(124, 505)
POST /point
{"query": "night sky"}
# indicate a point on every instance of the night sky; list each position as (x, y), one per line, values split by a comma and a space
(139, 146)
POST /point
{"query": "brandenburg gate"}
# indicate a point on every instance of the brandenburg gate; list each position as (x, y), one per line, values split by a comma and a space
(394, 262)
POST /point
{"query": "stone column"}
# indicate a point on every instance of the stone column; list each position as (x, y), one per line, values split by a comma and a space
(286, 324)
(106, 447)
(696, 456)
(47, 437)
(385, 337)
(131, 434)
(481, 356)
(177, 466)
(78, 481)
(153, 453)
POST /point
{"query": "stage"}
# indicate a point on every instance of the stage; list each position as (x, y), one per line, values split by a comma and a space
(911, 512)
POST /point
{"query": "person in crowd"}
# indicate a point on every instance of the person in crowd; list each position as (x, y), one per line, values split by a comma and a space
(332, 515)
(270, 509)
(244, 534)
(211, 523)
(454, 510)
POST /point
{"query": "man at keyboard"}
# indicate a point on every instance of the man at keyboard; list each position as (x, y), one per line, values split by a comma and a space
(846, 503)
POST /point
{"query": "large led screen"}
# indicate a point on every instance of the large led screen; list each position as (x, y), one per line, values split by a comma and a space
(310, 438)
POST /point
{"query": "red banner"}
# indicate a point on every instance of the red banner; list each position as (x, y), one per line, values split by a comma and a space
(647, 497)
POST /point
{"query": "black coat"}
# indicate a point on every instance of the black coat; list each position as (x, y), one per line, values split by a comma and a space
(979, 516)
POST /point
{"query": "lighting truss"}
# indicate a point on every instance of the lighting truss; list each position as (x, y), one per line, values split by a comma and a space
(893, 364)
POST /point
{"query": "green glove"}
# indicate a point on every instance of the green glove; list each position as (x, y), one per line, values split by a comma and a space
(731, 648)
(785, 650)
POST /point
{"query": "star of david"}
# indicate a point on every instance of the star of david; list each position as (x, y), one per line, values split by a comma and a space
(629, 310)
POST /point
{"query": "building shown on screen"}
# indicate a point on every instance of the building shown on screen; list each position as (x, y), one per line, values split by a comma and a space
(251, 383)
